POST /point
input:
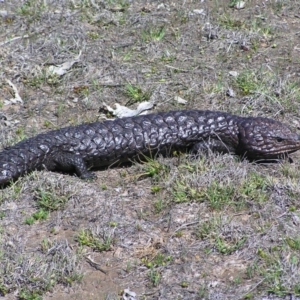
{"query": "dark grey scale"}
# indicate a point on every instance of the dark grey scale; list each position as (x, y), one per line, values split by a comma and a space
(153, 128)
(67, 134)
(18, 158)
(110, 147)
(202, 119)
(108, 139)
(146, 140)
(162, 129)
(188, 133)
(78, 135)
(44, 148)
(89, 131)
(103, 131)
(159, 121)
(145, 124)
(29, 157)
(99, 141)
(90, 150)
(85, 143)
(137, 129)
(71, 142)
(132, 144)
(125, 141)
(183, 119)
(128, 125)
(167, 138)
(138, 139)
(169, 119)
(174, 126)
(59, 138)
(118, 139)
(210, 121)
(115, 128)
(131, 141)
(153, 139)
(93, 147)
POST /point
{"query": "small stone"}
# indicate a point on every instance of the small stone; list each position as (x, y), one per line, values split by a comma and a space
(277, 92)
(129, 295)
(244, 47)
(295, 219)
(211, 35)
(199, 11)
(230, 93)
(233, 73)
(213, 284)
(240, 5)
(180, 100)
(11, 244)
(3, 13)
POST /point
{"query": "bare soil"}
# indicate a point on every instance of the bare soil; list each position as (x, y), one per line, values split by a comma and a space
(214, 227)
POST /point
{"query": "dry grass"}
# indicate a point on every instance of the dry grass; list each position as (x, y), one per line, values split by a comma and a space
(173, 228)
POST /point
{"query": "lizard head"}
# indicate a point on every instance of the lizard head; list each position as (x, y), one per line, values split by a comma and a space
(263, 138)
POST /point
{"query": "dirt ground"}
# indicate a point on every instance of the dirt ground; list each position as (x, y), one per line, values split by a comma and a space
(214, 227)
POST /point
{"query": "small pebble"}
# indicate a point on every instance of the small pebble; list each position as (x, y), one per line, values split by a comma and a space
(240, 5)
(211, 35)
(233, 73)
(230, 93)
(199, 11)
(180, 100)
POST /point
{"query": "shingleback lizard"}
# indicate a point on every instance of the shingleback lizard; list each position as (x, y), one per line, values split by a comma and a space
(81, 148)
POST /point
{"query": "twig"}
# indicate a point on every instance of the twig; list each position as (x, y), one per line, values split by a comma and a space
(17, 97)
(177, 69)
(95, 265)
(251, 290)
(14, 39)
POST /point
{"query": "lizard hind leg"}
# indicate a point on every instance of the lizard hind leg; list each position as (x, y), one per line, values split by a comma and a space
(69, 162)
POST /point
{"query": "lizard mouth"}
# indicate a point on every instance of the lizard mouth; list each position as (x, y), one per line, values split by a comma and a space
(284, 151)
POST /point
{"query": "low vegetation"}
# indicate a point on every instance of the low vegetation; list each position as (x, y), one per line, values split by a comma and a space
(179, 227)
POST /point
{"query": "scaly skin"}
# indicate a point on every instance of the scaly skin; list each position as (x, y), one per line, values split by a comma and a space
(80, 148)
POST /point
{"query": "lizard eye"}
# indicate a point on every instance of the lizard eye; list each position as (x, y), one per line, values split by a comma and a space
(279, 139)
